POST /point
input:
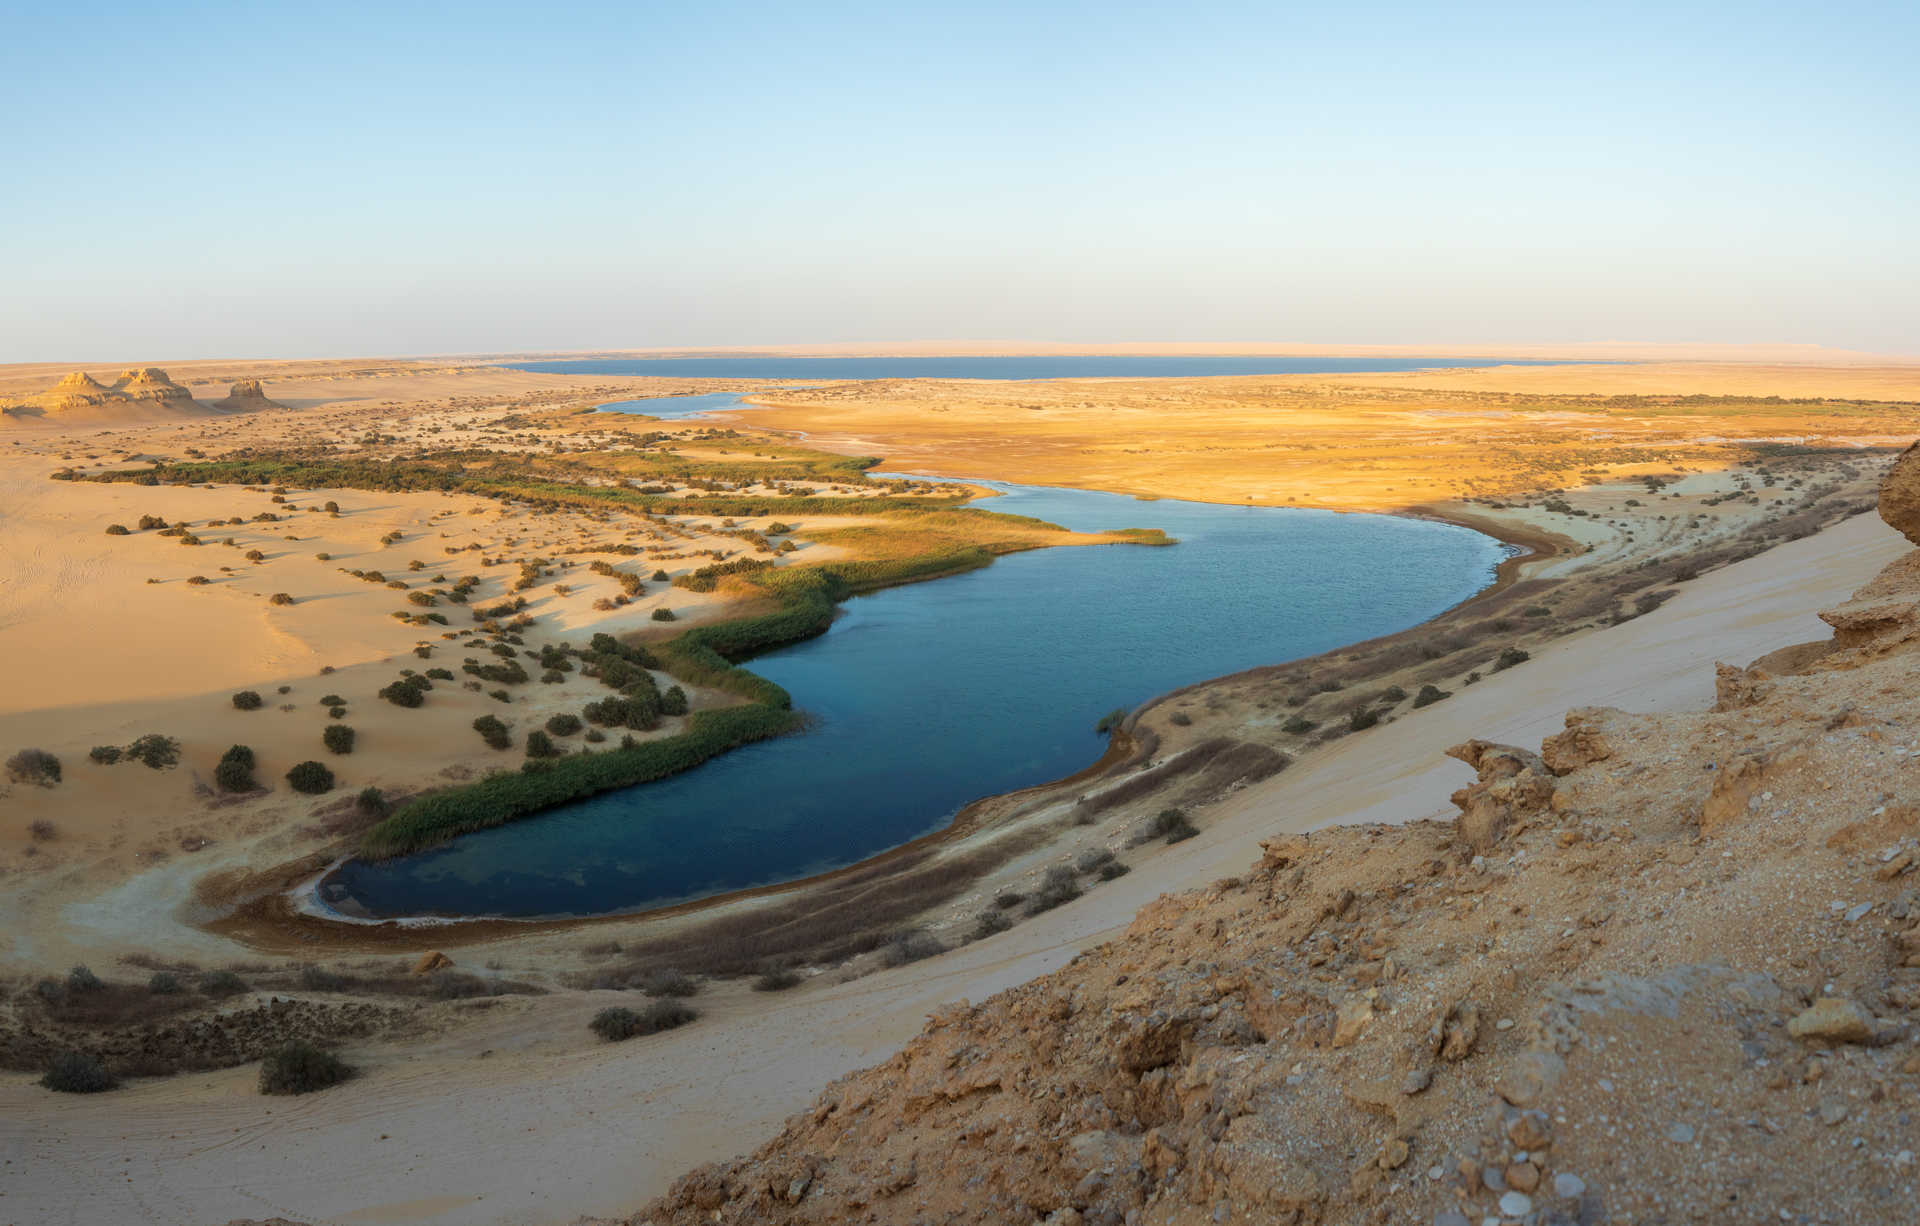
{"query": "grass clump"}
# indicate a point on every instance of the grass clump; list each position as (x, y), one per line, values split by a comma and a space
(777, 979)
(1173, 825)
(911, 946)
(1058, 887)
(669, 983)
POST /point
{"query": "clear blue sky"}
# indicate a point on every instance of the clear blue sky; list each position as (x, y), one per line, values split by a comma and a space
(205, 179)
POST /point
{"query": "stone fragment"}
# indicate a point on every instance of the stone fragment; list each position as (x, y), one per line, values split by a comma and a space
(1350, 1018)
(1394, 1155)
(1529, 1130)
(1523, 1176)
(1568, 1186)
(431, 962)
(1900, 495)
(1516, 1204)
(1832, 1019)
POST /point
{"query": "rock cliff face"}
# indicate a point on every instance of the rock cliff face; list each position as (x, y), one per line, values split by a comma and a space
(1666, 969)
(151, 383)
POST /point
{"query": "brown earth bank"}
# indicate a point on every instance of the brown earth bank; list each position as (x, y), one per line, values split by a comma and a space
(1666, 968)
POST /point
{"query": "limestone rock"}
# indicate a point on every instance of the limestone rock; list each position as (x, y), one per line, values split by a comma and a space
(431, 962)
(1513, 783)
(248, 394)
(1900, 495)
(1832, 1019)
(1734, 787)
(1734, 688)
(1351, 1018)
(1582, 744)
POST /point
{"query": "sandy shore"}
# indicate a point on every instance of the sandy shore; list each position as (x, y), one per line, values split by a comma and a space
(549, 1125)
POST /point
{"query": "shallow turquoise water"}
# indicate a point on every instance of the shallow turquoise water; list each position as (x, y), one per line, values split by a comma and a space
(929, 696)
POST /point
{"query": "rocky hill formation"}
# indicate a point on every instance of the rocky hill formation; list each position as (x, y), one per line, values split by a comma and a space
(248, 395)
(1661, 969)
(139, 393)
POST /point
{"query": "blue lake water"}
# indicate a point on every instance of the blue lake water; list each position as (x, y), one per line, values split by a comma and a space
(929, 696)
(1064, 366)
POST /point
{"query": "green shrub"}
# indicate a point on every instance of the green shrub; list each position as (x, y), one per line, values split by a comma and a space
(117, 530)
(661, 576)
(1510, 657)
(619, 1023)
(540, 745)
(280, 598)
(1299, 725)
(407, 691)
(1362, 718)
(1113, 871)
(333, 700)
(299, 1067)
(989, 922)
(165, 983)
(235, 771)
(81, 980)
(105, 755)
(663, 614)
(563, 725)
(154, 751)
(77, 1072)
(338, 738)
(310, 778)
(371, 801)
(493, 732)
(1173, 825)
(1430, 694)
(35, 766)
(674, 701)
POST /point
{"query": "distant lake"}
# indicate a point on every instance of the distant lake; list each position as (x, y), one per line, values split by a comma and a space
(928, 696)
(1058, 367)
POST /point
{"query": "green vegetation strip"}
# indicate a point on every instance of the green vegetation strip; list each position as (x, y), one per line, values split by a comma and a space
(499, 799)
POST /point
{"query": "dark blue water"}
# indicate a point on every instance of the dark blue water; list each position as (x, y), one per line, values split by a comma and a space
(932, 695)
(1061, 367)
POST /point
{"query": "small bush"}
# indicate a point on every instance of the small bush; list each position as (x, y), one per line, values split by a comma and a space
(1090, 860)
(778, 979)
(280, 598)
(564, 725)
(105, 755)
(1430, 694)
(154, 751)
(165, 983)
(246, 700)
(333, 700)
(660, 576)
(674, 701)
(1299, 725)
(540, 745)
(311, 778)
(989, 922)
(1113, 870)
(301, 1068)
(1008, 899)
(619, 1023)
(338, 738)
(1057, 887)
(1510, 657)
(35, 766)
(1173, 825)
(663, 615)
(235, 771)
(1362, 718)
(80, 980)
(669, 983)
(493, 732)
(78, 1073)
(222, 983)
(371, 802)
(117, 530)
(42, 830)
(911, 946)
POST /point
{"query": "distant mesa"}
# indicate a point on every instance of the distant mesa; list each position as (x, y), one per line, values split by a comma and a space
(142, 393)
(247, 395)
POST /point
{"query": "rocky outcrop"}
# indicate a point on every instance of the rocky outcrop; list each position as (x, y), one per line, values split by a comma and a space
(151, 383)
(1514, 783)
(140, 392)
(248, 395)
(1900, 495)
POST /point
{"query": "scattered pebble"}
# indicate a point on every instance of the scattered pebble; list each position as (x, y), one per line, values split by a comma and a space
(1680, 1134)
(1568, 1187)
(1516, 1204)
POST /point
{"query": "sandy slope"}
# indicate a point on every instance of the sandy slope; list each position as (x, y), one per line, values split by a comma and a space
(548, 1126)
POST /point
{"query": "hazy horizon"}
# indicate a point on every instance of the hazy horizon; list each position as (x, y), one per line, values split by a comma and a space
(237, 181)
